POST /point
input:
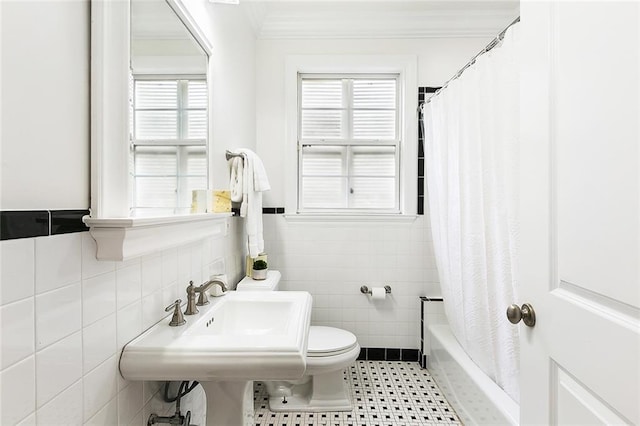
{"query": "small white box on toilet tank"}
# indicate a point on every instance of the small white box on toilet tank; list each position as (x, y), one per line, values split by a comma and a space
(271, 283)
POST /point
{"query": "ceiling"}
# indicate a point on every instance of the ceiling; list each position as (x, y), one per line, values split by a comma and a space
(155, 20)
(288, 19)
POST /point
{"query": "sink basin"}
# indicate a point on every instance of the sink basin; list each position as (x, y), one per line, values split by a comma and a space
(240, 336)
(246, 317)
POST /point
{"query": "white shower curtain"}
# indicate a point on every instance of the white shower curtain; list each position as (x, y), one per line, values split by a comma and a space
(471, 151)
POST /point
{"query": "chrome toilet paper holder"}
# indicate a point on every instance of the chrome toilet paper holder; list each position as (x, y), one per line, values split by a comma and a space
(366, 290)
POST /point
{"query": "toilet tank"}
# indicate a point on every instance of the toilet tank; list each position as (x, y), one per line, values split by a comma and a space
(271, 283)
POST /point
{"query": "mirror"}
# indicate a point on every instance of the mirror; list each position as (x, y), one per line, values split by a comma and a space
(168, 112)
(172, 154)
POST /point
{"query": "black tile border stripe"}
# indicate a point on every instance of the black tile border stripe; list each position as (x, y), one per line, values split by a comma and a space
(422, 91)
(265, 210)
(16, 224)
(23, 224)
(273, 210)
(67, 221)
(431, 299)
(428, 89)
(389, 354)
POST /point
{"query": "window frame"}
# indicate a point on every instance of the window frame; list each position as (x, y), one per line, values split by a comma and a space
(349, 141)
(406, 68)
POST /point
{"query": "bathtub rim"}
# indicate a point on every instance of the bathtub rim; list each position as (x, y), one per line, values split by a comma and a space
(496, 395)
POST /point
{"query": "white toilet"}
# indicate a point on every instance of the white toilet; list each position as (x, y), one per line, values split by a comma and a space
(330, 350)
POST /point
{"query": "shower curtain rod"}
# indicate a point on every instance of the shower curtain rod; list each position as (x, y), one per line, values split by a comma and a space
(487, 48)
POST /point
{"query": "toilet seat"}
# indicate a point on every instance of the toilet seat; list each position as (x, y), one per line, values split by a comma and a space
(329, 341)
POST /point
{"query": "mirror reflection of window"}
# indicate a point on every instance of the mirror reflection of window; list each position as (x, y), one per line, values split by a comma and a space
(168, 151)
(168, 144)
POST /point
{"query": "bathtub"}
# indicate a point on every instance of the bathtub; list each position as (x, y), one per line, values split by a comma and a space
(475, 397)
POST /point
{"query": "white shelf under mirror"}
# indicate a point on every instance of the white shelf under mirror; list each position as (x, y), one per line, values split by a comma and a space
(126, 238)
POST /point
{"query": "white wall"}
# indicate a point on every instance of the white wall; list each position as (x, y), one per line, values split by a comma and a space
(232, 70)
(64, 317)
(45, 105)
(332, 260)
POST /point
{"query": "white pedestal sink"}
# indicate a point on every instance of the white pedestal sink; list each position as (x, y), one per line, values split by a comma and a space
(236, 339)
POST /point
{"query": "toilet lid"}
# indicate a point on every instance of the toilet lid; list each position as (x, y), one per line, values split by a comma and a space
(329, 340)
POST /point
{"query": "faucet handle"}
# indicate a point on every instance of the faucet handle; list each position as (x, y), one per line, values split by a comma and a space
(202, 289)
(177, 318)
(174, 305)
(202, 298)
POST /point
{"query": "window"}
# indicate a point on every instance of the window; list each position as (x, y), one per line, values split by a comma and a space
(348, 143)
(169, 154)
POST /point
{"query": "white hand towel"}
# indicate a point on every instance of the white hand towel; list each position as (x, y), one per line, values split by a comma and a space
(260, 179)
(254, 182)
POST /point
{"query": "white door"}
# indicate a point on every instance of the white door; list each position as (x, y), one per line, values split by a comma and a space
(579, 269)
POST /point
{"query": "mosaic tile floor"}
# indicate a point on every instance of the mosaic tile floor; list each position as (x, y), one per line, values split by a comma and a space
(384, 393)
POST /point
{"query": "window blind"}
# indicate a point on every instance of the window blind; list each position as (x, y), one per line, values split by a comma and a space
(156, 109)
(349, 145)
(197, 110)
(374, 109)
(323, 109)
(169, 144)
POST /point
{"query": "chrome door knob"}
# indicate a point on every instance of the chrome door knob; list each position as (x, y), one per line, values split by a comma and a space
(515, 313)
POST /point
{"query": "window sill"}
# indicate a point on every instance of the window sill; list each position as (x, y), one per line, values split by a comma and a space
(351, 218)
(125, 238)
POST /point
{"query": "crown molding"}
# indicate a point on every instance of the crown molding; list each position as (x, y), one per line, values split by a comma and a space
(378, 19)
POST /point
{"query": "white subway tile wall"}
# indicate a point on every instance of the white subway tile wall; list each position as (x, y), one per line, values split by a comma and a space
(17, 258)
(18, 387)
(58, 366)
(332, 260)
(59, 313)
(65, 408)
(64, 318)
(98, 341)
(17, 332)
(58, 261)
